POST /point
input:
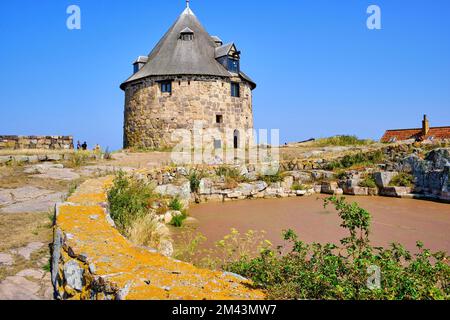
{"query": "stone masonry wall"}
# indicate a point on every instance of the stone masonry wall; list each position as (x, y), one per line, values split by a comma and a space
(36, 142)
(151, 116)
(92, 261)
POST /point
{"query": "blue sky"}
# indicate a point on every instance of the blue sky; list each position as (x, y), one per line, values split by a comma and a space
(319, 70)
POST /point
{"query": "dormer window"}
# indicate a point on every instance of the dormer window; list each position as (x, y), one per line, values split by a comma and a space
(187, 34)
(228, 56)
(233, 65)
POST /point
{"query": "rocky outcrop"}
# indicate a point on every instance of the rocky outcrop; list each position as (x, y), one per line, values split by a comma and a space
(431, 174)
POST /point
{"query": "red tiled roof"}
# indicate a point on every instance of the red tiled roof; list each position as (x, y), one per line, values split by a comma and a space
(406, 134)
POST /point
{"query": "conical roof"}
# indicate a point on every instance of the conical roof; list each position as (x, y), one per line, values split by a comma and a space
(172, 56)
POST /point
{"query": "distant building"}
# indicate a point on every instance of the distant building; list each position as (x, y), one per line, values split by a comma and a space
(418, 134)
(189, 76)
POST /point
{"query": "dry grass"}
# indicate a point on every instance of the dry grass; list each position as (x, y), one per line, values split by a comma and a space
(18, 230)
(147, 231)
(12, 177)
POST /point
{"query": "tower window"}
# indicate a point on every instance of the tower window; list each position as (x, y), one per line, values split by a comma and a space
(187, 37)
(235, 89)
(166, 86)
(187, 34)
(219, 118)
(233, 65)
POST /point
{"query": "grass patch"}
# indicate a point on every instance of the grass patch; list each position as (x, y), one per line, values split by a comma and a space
(273, 178)
(231, 175)
(368, 182)
(402, 180)
(178, 220)
(299, 187)
(78, 159)
(358, 159)
(342, 141)
(175, 204)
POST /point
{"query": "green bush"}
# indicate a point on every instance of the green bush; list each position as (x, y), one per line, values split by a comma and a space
(368, 182)
(129, 199)
(402, 180)
(330, 271)
(195, 176)
(177, 221)
(175, 205)
(348, 161)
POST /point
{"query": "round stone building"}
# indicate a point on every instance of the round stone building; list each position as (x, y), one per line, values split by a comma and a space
(189, 76)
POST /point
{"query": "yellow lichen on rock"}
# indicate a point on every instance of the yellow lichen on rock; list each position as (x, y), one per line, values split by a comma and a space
(94, 261)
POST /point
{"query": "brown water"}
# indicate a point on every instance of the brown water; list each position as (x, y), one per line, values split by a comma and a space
(393, 220)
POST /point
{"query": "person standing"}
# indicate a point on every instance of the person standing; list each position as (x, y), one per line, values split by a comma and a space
(84, 146)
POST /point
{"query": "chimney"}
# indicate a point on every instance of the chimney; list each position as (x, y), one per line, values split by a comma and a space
(425, 125)
(139, 63)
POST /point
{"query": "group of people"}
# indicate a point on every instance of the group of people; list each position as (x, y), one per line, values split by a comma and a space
(84, 146)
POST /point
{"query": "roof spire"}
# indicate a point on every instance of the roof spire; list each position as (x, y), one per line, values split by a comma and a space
(188, 3)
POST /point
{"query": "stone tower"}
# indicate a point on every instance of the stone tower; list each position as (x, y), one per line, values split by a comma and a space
(189, 76)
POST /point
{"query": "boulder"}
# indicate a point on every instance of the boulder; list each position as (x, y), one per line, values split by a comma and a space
(301, 176)
(173, 191)
(205, 187)
(287, 183)
(382, 179)
(329, 187)
(5, 159)
(73, 274)
(397, 192)
(53, 157)
(357, 191)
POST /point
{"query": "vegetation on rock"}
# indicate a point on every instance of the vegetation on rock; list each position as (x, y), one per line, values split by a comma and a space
(402, 180)
(358, 159)
(342, 140)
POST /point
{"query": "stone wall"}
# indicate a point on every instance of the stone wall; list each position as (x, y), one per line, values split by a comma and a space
(151, 116)
(36, 142)
(93, 261)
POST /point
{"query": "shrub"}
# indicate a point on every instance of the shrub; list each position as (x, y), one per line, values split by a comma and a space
(402, 180)
(231, 175)
(148, 231)
(195, 176)
(274, 178)
(177, 221)
(330, 271)
(78, 159)
(351, 160)
(129, 199)
(368, 182)
(175, 205)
